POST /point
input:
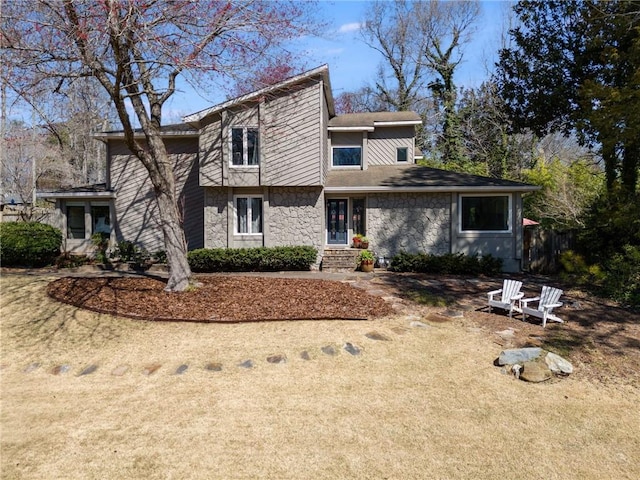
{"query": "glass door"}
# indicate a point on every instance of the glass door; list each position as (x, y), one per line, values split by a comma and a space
(337, 224)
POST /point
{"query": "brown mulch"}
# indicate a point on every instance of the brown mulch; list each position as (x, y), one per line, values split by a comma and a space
(221, 299)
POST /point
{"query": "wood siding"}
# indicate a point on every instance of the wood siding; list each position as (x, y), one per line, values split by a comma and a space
(292, 140)
(383, 142)
(211, 153)
(137, 216)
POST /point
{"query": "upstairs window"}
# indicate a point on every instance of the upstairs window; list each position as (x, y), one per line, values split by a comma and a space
(486, 213)
(402, 154)
(244, 146)
(347, 156)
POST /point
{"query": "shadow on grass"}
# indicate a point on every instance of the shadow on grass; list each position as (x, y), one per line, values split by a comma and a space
(31, 319)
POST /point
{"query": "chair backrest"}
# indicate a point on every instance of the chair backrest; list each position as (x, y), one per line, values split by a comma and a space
(510, 288)
(549, 296)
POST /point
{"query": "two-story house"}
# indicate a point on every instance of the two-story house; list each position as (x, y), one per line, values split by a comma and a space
(279, 167)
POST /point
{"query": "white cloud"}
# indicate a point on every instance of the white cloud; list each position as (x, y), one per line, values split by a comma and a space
(350, 27)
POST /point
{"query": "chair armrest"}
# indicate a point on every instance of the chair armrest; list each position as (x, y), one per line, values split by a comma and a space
(495, 292)
(517, 296)
(527, 300)
(552, 305)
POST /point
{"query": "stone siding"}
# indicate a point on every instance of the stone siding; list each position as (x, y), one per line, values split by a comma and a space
(410, 222)
(215, 217)
(296, 217)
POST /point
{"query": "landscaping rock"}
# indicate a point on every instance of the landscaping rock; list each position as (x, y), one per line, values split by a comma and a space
(453, 314)
(557, 364)
(329, 350)
(181, 369)
(213, 367)
(518, 355)
(535, 372)
(31, 367)
(277, 359)
(60, 369)
(305, 355)
(377, 336)
(246, 364)
(151, 369)
(417, 324)
(120, 370)
(88, 371)
(352, 349)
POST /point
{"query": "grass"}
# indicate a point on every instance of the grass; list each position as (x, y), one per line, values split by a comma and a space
(427, 404)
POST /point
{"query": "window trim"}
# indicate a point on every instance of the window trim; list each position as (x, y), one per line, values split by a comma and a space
(333, 148)
(245, 149)
(509, 229)
(406, 150)
(235, 214)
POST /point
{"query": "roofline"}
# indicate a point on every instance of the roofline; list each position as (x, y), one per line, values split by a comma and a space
(399, 123)
(351, 129)
(444, 188)
(64, 195)
(119, 135)
(322, 70)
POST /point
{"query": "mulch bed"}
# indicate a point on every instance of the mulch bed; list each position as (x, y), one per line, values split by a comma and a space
(221, 299)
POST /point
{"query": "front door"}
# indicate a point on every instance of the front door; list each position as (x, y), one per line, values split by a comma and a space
(337, 223)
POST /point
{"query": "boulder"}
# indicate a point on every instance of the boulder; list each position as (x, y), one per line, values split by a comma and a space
(518, 355)
(535, 372)
(557, 364)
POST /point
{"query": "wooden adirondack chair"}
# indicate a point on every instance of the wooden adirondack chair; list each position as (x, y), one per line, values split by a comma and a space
(547, 301)
(510, 295)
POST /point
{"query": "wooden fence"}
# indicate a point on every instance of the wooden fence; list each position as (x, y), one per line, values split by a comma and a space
(542, 249)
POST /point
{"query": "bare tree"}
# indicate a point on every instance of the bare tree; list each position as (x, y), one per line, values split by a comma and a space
(421, 44)
(137, 50)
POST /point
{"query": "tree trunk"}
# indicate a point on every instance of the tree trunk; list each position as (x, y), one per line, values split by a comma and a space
(161, 174)
(175, 243)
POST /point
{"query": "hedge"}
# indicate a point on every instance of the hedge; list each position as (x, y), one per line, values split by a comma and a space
(451, 263)
(29, 244)
(262, 259)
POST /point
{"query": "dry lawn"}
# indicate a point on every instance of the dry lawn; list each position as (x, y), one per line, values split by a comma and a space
(426, 403)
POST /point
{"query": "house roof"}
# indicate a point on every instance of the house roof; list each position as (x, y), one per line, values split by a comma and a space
(322, 71)
(98, 190)
(416, 178)
(173, 130)
(370, 120)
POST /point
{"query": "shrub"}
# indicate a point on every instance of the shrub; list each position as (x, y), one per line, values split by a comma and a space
(29, 244)
(262, 259)
(127, 251)
(101, 241)
(450, 263)
(623, 276)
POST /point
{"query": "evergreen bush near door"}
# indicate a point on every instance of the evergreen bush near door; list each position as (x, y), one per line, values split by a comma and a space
(261, 259)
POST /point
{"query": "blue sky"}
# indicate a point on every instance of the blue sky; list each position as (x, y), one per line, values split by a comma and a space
(352, 63)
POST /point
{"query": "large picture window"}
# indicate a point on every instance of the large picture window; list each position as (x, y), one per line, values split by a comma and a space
(248, 215)
(485, 213)
(347, 156)
(244, 146)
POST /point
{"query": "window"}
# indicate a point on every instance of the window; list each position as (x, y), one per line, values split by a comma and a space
(99, 215)
(488, 213)
(347, 156)
(248, 215)
(244, 146)
(100, 222)
(402, 154)
(75, 221)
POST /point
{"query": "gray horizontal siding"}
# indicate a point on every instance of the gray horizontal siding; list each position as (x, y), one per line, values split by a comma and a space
(383, 142)
(211, 153)
(137, 215)
(292, 139)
